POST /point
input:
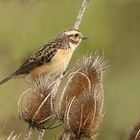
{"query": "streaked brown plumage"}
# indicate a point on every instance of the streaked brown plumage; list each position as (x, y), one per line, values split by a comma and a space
(52, 58)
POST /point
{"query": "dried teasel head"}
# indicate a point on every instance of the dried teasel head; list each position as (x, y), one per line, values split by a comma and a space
(82, 103)
(35, 106)
(84, 114)
(86, 75)
(135, 133)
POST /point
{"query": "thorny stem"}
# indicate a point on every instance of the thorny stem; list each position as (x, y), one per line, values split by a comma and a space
(80, 14)
(41, 134)
(29, 133)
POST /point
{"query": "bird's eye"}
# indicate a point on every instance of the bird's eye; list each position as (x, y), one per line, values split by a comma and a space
(76, 35)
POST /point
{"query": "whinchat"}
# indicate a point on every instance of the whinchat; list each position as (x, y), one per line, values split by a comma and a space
(52, 58)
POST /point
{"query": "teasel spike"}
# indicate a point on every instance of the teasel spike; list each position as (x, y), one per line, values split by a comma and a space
(54, 92)
(35, 105)
(90, 64)
(135, 133)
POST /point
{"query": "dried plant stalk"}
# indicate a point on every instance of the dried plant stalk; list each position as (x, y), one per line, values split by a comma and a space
(81, 105)
(80, 14)
(68, 135)
(135, 133)
(41, 134)
(29, 133)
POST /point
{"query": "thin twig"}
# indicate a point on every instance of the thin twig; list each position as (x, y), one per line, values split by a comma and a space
(29, 133)
(80, 14)
(41, 134)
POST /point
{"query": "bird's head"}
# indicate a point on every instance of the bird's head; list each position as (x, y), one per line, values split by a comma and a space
(74, 37)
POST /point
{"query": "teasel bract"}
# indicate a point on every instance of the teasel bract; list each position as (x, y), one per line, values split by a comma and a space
(135, 132)
(81, 106)
(13, 137)
(36, 105)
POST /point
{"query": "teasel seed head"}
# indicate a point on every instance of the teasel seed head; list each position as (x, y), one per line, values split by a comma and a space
(81, 106)
(135, 133)
(87, 74)
(84, 115)
(35, 106)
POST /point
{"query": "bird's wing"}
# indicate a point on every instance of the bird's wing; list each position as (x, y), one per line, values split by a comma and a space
(42, 56)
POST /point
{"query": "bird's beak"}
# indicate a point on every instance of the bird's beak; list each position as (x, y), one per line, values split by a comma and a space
(84, 38)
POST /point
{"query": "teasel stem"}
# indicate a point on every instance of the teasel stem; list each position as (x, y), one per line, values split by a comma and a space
(80, 14)
(54, 92)
(41, 134)
(68, 135)
(29, 133)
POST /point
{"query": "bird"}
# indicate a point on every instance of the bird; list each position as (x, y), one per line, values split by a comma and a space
(51, 58)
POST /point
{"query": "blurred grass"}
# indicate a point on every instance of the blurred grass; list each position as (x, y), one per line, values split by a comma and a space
(110, 25)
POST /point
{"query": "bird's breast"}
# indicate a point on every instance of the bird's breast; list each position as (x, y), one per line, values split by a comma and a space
(58, 64)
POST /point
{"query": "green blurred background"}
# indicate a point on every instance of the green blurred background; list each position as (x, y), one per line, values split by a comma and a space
(112, 26)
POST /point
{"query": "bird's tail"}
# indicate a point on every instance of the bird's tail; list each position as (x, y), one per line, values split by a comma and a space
(7, 78)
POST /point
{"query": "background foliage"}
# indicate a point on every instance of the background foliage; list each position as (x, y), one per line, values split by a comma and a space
(112, 26)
